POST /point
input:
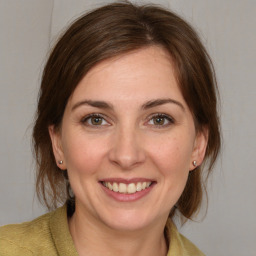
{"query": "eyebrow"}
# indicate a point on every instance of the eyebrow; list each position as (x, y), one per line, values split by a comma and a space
(93, 103)
(147, 105)
(158, 102)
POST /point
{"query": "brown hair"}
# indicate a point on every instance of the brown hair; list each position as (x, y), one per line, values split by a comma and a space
(106, 32)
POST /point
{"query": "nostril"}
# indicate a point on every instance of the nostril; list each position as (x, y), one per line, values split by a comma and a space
(126, 160)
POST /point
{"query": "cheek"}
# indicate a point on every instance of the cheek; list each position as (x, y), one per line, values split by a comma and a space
(83, 155)
(171, 160)
(172, 155)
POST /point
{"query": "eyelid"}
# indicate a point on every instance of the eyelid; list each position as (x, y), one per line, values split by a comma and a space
(87, 117)
(170, 119)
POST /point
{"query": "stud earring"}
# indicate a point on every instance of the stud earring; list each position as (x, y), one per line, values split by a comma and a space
(194, 163)
(60, 162)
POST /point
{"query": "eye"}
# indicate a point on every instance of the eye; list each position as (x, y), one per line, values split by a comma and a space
(94, 120)
(160, 120)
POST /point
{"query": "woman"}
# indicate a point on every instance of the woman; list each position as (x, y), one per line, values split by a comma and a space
(126, 118)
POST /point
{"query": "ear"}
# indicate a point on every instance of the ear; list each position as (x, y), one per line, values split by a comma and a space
(199, 149)
(57, 147)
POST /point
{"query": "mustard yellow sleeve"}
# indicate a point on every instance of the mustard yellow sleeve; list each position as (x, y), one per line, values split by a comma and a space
(9, 248)
(28, 238)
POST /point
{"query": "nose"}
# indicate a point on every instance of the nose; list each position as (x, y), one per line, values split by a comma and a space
(126, 149)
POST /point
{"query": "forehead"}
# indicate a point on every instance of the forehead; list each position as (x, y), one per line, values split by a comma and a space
(141, 74)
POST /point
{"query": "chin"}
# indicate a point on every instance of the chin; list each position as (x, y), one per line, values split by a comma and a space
(128, 220)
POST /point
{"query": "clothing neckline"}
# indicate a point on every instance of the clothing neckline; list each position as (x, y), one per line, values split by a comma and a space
(65, 245)
(61, 234)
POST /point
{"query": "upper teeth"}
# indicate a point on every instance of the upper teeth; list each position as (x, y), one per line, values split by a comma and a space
(127, 188)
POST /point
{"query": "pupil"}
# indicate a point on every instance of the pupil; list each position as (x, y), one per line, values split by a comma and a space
(96, 120)
(159, 120)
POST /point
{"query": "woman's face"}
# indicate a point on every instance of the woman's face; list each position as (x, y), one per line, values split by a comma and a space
(128, 141)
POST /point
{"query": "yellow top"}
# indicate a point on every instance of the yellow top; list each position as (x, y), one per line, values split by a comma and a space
(49, 235)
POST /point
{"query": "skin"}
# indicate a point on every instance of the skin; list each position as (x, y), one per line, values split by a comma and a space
(128, 140)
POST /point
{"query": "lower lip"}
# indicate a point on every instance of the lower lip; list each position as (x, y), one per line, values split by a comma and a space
(121, 197)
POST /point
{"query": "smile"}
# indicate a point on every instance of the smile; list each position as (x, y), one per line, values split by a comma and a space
(129, 188)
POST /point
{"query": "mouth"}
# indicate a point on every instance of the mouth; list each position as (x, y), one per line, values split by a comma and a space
(127, 188)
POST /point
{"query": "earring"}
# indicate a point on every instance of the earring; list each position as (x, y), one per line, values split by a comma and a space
(194, 163)
(60, 162)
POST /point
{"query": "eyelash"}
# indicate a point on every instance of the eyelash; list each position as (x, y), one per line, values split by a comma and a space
(167, 118)
(88, 117)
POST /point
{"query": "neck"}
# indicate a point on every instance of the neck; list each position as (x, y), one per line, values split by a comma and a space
(91, 239)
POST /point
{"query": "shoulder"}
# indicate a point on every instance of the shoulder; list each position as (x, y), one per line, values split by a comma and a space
(190, 248)
(27, 238)
(180, 245)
